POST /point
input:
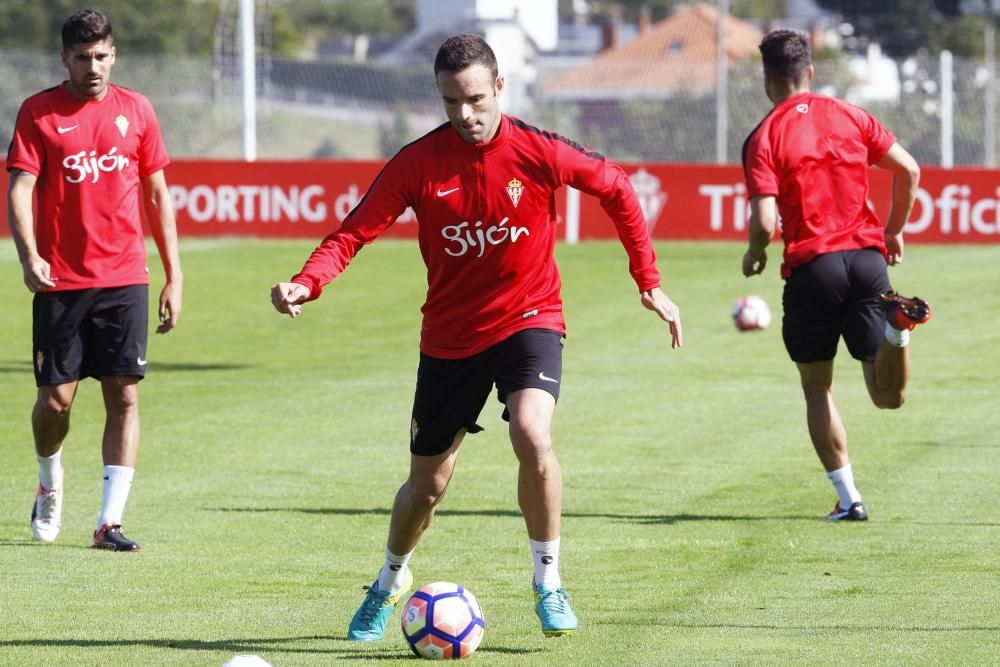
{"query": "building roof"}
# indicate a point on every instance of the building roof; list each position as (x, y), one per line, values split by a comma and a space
(678, 53)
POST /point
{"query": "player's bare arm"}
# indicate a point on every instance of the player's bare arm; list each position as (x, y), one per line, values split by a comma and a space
(905, 178)
(20, 219)
(287, 298)
(658, 302)
(763, 222)
(160, 213)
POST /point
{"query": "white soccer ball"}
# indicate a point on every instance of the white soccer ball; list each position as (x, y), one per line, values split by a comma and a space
(751, 314)
(443, 621)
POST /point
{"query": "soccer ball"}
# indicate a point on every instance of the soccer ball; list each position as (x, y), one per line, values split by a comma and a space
(751, 313)
(443, 621)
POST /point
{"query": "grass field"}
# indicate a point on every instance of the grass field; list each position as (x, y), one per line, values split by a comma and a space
(692, 531)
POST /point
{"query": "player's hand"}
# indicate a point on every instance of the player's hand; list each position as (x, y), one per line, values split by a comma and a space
(754, 264)
(37, 276)
(289, 297)
(658, 302)
(894, 249)
(170, 306)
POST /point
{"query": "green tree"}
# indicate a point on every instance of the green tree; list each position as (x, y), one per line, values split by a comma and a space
(905, 27)
(286, 40)
(350, 17)
(181, 27)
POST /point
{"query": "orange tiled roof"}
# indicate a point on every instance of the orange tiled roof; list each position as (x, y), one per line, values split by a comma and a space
(676, 53)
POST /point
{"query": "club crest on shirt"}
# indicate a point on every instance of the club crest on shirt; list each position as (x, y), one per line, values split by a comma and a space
(515, 189)
(122, 124)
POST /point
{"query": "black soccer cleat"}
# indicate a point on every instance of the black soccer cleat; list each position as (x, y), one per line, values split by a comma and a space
(111, 538)
(856, 512)
(904, 313)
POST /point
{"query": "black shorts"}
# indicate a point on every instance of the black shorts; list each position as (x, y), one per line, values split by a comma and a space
(836, 294)
(89, 333)
(452, 392)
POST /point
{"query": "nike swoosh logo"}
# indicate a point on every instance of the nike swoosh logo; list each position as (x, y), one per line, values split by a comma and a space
(543, 376)
(63, 130)
(141, 361)
(445, 193)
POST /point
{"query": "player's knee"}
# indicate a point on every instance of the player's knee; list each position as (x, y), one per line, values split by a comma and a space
(530, 439)
(889, 401)
(53, 406)
(426, 493)
(121, 398)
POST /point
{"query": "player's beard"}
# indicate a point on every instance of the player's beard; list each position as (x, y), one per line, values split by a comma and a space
(90, 86)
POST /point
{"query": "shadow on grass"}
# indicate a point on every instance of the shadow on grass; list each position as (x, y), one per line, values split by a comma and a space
(634, 518)
(346, 650)
(955, 445)
(644, 519)
(173, 366)
(15, 366)
(28, 542)
(839, 628)
(165, 366)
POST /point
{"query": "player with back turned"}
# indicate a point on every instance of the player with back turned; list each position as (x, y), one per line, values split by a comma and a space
(808, 161)
(93, 154)
(482, 186)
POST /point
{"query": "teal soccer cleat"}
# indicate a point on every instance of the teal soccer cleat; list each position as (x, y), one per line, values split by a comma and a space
(373, 615)
(553, 610)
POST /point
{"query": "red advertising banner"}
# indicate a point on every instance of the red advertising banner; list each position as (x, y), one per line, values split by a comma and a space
(308, 199)
(709, 202)
(278, 199)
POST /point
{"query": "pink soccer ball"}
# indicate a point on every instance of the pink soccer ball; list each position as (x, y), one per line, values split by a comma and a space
(751, 314)
(443, 621)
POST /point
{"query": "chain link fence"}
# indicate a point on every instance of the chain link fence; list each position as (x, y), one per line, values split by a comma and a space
(357, 110)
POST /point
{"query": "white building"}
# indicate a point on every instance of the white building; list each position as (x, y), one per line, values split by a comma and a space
(516, 30)
(538, 18)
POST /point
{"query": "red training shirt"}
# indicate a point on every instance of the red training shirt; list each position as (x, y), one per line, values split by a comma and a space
(813, 153)
(89, 157)
(487, 230)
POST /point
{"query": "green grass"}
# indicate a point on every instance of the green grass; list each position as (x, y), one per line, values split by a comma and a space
(692, 533)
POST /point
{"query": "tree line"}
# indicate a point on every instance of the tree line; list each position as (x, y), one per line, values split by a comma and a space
(187, 27)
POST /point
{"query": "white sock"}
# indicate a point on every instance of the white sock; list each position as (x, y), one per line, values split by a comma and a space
(843, 481)
(546, 558)
(392, 576)
(897, 337)
(50, 471)
(117, 483)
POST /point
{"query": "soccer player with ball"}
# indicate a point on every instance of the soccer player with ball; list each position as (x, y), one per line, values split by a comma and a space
(482, 186)
(808, 161)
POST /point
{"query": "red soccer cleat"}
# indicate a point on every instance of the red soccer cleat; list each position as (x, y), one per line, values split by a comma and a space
(903, 313)
(111, 538)
(856, 512)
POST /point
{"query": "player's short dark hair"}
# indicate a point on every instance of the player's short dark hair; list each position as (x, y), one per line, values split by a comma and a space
(786, 55)
(85, 27)
(461, 51)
